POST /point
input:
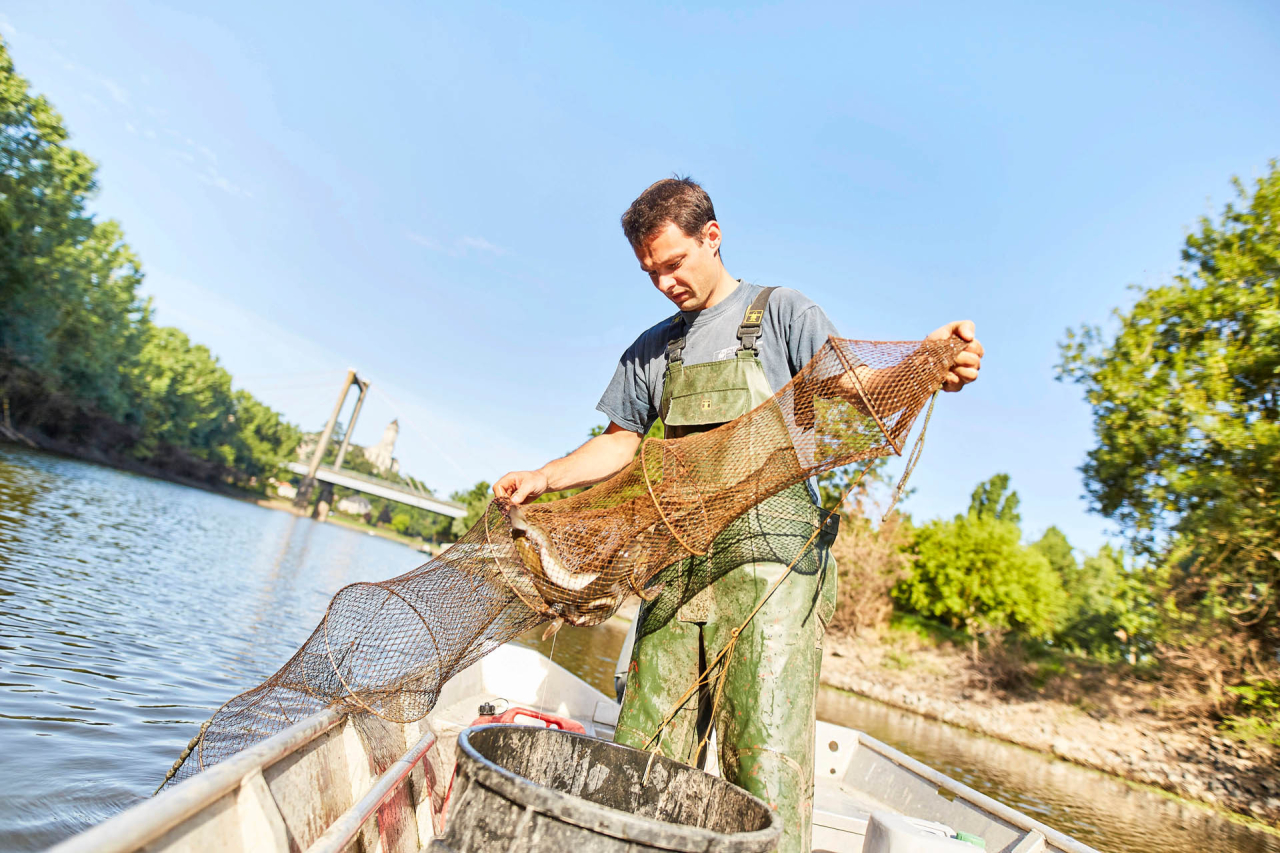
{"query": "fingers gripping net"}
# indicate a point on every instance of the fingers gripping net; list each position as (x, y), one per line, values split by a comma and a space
(388, 648)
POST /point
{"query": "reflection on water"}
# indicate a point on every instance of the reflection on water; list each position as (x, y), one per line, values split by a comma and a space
(130, 609)
(1097, 809)
(591, 653)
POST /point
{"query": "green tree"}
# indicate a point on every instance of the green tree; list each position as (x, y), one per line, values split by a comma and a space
(476, 500)
(1109, 613)
(974, 573)
(994, 499)
(1058, 551)
(72, 322)
(263, 442)
(836, 483)
(187, 399)
(69, 306)
(1186, 413)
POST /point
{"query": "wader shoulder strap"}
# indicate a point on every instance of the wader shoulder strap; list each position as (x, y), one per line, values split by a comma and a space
(675, 346)
(749, 331)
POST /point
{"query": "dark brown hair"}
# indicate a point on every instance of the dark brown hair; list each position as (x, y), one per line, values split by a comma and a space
(678, 200)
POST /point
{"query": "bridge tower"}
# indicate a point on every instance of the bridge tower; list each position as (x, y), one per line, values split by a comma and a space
(303, 497)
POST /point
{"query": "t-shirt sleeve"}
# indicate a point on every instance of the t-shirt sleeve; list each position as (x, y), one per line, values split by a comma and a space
(808, 331)
(626, 401)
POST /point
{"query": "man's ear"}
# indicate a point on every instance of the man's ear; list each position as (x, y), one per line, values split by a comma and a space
(711, 233)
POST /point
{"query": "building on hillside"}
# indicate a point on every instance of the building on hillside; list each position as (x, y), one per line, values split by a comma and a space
(382, 455)
(307, 446)
(354, 505)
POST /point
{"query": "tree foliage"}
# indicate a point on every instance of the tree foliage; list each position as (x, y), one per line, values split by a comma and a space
(1186, 413)
(69, 306)
(73, 326)
(974, 573)
(994, 499)
(476, 500)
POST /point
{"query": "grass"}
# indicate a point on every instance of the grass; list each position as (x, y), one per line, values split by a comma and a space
(927, 630)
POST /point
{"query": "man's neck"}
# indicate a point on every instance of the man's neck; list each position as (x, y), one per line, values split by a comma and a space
(726, 285)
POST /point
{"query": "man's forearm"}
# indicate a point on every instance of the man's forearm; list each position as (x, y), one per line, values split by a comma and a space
(598, 459)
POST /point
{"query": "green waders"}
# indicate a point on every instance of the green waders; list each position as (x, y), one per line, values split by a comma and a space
(765, 720)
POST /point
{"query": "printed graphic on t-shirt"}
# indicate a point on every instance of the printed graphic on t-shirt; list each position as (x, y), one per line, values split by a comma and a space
(727, 352)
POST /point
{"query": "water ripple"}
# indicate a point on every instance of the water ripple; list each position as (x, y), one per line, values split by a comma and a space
(130, 609)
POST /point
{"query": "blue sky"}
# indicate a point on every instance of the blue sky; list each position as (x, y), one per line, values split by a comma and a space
(431, 194)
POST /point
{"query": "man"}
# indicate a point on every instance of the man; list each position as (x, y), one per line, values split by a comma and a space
(735, 344)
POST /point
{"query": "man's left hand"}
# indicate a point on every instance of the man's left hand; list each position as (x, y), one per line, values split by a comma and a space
(969, 361)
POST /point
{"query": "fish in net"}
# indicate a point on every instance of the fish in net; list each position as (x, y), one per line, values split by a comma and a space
(386, 649)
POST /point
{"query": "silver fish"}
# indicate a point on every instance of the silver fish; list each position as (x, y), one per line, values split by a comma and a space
(539, 556)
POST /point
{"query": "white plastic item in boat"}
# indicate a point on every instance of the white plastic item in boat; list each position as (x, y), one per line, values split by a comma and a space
(894, 833)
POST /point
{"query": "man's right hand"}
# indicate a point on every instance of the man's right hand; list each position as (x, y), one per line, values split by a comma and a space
(520, 486)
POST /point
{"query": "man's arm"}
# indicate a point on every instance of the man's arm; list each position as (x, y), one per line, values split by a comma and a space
(599, 459)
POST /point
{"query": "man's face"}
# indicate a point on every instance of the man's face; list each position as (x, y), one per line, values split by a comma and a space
(685, 269)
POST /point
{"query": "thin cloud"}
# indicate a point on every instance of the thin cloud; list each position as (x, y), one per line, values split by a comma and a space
(425, 242)
(480, 244)
(459, 247)
(117, 92)
(214, 178)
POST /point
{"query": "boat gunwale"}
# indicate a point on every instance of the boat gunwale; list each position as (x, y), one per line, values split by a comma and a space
(1005, 812)
(145, 822)
(349, 823)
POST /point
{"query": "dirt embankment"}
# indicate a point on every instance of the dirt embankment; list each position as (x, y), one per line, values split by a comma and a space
(1088, 718)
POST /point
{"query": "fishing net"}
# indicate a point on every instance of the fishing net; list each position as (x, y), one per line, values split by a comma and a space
(386, 649)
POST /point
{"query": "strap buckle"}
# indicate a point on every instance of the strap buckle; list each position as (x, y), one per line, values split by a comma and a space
(753, 320)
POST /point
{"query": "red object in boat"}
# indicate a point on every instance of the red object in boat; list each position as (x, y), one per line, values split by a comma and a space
(513, 716)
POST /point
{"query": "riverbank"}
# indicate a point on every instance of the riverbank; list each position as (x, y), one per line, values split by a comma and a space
(1088, 720)
(175, 467)
(341, 521)
(207, 482)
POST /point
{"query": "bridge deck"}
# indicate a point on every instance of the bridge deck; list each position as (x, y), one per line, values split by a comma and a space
(384, 489)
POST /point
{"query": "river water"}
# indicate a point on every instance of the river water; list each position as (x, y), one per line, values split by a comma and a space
(131, 608)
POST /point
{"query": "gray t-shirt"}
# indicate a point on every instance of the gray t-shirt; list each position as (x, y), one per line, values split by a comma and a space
(794, 329)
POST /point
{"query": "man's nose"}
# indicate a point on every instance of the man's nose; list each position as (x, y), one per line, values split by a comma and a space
(666, 283)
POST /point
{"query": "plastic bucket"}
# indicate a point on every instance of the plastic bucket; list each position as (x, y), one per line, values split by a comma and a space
(539, 789)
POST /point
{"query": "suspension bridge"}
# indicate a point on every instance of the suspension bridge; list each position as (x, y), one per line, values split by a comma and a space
(316, 474)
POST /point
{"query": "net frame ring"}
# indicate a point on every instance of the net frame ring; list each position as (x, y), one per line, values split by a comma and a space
(337, 670)
(670, 452)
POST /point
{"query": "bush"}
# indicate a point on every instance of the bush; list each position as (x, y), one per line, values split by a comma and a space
(871, 560)
(973, 573)
(1259, 701)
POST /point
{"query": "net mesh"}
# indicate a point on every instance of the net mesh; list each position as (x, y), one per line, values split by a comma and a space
(388, 648)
